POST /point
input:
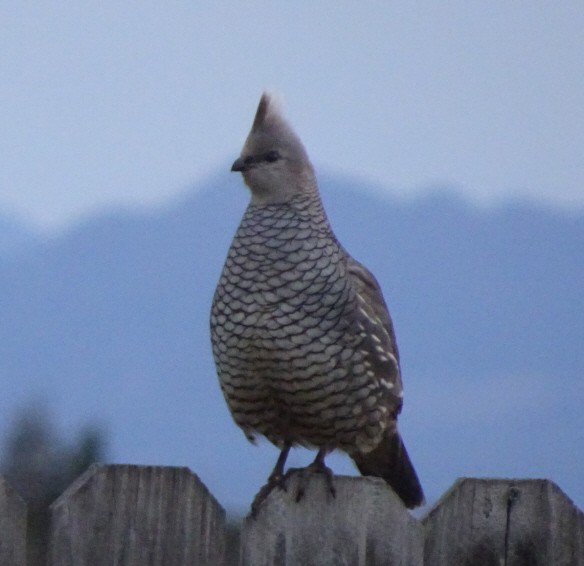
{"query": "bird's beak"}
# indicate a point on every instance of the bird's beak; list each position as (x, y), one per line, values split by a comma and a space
(238, 165)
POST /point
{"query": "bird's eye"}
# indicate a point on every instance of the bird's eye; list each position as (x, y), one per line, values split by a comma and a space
(272, 156)
(248, 160)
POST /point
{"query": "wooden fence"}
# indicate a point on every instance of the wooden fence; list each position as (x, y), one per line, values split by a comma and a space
(118, 515)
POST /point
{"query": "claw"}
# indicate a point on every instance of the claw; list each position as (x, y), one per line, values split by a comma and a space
(277, 479)
(273, 482)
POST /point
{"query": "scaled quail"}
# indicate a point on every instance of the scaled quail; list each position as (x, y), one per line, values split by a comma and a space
(303, 343)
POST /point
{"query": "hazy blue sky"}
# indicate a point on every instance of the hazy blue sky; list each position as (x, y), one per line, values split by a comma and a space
(107, 102)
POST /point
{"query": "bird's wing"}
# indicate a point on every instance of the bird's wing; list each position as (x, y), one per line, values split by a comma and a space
(376, 328)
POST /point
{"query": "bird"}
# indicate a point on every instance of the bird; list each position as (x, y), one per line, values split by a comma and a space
(303, 342)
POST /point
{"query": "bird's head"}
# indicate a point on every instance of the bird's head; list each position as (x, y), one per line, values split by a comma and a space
(273, 161)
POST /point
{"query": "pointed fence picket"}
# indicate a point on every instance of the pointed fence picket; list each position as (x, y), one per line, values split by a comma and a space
(123, 515)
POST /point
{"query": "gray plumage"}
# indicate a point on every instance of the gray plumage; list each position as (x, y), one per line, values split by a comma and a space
(303, 343)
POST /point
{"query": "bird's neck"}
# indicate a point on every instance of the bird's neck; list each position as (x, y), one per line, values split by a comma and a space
(306, 204)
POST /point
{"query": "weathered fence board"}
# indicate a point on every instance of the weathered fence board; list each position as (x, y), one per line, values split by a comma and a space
(137, 516)
(12, 527)
(486, 522)
(364, 525)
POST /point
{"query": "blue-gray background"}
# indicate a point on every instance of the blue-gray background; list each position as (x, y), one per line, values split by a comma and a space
(448, 143)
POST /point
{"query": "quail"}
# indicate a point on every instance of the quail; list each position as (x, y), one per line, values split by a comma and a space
(303, 342)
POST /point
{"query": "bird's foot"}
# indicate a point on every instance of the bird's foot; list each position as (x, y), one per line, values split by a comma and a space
(279, 479)
(276, 480)
(304, 474)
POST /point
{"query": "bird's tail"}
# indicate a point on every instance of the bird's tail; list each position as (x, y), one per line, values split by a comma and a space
(390, 461)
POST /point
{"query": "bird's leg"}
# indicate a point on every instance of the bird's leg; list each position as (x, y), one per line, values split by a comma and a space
(275, 479)
(317, 466)
(277, 474)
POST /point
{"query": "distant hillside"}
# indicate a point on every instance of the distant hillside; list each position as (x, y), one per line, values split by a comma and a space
(14, 234)
(111, 321)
